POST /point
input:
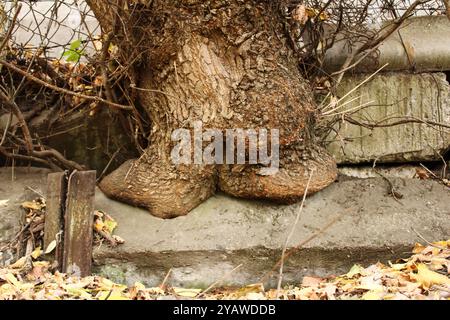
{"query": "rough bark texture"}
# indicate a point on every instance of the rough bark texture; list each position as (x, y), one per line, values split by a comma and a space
(227, 64)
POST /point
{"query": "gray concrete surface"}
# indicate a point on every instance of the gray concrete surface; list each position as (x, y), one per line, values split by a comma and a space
(392, 97)
(225, 232)
(406, 49)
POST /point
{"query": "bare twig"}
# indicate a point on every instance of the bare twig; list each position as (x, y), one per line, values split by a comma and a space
(218, 281)
(372, 44)
(163, 284)
(50, 153)
(428, 242)
(112, 242)
(11, 28)
(297, 218)
(301, 244)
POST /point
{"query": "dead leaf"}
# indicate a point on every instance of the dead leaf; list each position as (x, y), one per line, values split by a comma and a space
(33, 205)
(36, 253)
(311, 281)
(355, 270)
(51, 247)
(3, 203)
(418, 248)
(427, 278)
(299, 14)
(188, 293)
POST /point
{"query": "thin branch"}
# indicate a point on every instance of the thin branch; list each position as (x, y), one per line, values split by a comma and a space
(301, 244)
(11, 28)
(403, 120)
(218, 281)
(374, 43)
(297, 218)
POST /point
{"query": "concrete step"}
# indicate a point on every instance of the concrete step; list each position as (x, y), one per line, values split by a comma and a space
(224, 232)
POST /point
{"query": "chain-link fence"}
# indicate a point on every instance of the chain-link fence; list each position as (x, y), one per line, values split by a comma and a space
(52, 26)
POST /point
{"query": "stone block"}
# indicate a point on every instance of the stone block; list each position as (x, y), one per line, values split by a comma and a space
(393, 97)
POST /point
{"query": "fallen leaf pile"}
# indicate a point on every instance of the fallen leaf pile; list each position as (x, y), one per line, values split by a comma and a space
(31, 236)
(425, 275)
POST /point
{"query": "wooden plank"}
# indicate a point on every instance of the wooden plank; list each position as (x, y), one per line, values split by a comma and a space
(54, 214)
(79, 218)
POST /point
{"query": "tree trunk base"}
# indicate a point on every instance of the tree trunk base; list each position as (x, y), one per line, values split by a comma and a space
(228, 65)
(169, 191)
(160, 187)
(288, 185)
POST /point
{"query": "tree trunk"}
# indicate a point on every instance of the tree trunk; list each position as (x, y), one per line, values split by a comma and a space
(228, 65)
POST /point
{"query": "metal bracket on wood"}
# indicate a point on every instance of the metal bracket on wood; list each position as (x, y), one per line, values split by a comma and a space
(69, 220)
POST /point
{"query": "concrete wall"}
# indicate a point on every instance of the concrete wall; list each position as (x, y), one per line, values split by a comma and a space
(43, 23)
(423, 96)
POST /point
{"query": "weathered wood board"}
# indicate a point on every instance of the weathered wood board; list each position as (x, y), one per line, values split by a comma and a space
(79, 217)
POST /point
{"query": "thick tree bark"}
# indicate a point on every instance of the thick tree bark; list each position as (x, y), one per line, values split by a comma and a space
(228, 65)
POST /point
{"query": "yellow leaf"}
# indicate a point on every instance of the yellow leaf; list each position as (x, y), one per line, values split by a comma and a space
(112, 295)
(373, 295)
(323, 16)
(110, 224)
(252, 288)
(442, 244)
(19, 263)
(356, 269)
(32, 205)
(51, 247)
(106, 284)
(42, 264)
(139, 286)
(427, 278)
(36, 253)
(188, 293)
(398, 266)
(255, 296)
(78, 292)
(98, 225)
(312, 13)
(11, 279)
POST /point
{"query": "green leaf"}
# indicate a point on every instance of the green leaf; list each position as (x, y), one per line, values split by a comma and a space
(74, 53)
(74, 46)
